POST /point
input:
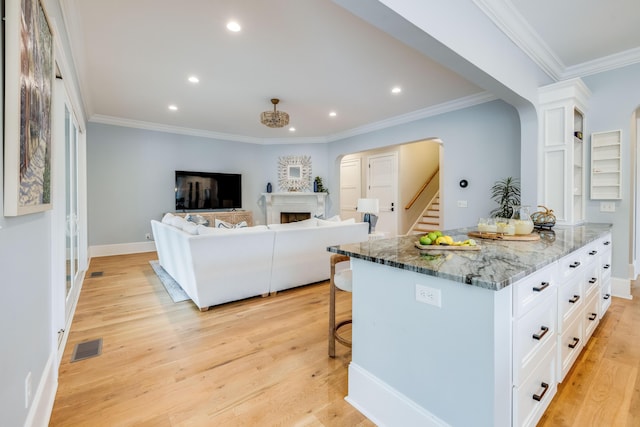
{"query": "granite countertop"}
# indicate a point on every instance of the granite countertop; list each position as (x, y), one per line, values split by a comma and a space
(498, 263)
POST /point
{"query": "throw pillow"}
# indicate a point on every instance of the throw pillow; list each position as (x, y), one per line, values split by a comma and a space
(166, 219)
(223, 224)
(190, 227)
(178, 221)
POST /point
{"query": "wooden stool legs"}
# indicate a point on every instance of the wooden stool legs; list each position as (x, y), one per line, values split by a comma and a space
(333, 328)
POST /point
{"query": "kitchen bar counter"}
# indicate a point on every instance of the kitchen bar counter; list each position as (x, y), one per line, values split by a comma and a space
(472, 338)
(498, 264)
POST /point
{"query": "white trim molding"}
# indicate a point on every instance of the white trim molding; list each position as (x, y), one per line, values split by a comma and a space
(390, 407)
(121, 249)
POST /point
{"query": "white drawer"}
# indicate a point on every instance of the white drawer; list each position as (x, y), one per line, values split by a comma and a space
(591, 317)
(605, 263)
(570, 265)
(591, 282)
(592, 251)
(570, 299)
(570, 343)
(531, 290)
(531, 399)
(605, 296)
(533, 335)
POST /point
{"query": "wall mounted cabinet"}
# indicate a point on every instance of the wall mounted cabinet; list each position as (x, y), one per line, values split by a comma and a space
(606, 166)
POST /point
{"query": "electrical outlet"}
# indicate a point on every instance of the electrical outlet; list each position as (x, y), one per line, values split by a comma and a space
(148, 236)
(428, 295)
(607, 207)
(27, 391)
(462, 203)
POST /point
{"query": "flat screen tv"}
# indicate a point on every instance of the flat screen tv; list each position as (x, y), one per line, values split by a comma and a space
(208, 190)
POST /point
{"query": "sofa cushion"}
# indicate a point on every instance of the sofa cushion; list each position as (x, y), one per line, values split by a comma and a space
(327, 222)
(311, 222)
(223, 224)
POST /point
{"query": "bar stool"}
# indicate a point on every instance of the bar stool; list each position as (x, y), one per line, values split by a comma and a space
(338, 280)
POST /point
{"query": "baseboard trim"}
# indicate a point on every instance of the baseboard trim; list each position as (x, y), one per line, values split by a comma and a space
(383, 404)
(42, 404)
(121, 249)
(621, 288)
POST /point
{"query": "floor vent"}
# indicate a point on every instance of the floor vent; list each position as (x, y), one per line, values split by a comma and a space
(97, 274)
(87, 349)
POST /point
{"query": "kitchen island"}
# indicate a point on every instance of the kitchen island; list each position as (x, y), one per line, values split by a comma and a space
(472, 338)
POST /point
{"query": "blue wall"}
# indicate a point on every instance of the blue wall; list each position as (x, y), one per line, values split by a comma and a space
(131, 171)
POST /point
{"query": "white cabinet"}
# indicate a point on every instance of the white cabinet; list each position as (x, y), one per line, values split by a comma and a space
(606, 166)
(535, 315)
(605, 274)
(562, 107)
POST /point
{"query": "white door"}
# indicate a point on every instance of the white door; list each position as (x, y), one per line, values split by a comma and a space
(382, 184)
(350, 188)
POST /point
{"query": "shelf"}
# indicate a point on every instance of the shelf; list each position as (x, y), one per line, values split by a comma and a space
(606, 165)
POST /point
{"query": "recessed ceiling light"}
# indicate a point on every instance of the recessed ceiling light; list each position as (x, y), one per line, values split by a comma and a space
(396, 90)
(333, 114)
(173, 107)
(194, 79)
(233, 26)
(292, 129)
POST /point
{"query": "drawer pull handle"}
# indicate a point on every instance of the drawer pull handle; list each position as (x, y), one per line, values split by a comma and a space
(574, 299)
(542, 287)
(544, 330)
(607, 243)
(575, 264)
(606, 266)
(607, 296)
(593, 280)
(539, 397)
(593, 316)
(574, 343)
(593, 252)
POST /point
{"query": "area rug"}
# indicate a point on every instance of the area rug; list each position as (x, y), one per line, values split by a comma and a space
(174, 290)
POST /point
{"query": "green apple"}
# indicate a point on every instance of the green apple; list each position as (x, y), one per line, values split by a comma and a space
(433, 236)
(425, 240)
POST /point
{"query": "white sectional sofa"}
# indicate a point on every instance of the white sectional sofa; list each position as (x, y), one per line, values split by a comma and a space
(215, 266)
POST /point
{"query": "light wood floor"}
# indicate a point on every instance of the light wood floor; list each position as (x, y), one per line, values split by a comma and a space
(263, 361)
(257, 362)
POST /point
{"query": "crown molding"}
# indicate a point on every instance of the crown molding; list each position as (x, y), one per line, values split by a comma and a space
(513, 24)
(606, 63)
(446, 107)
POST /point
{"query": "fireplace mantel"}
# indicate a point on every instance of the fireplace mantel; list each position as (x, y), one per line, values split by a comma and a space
(276, 203)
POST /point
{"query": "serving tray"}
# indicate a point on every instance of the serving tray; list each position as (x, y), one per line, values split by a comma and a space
(446, 247)
(494, 236)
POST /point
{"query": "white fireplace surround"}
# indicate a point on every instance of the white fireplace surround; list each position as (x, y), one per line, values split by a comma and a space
(276, 203)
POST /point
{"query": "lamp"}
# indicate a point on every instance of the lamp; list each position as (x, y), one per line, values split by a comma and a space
(369, 207)
(274, 119)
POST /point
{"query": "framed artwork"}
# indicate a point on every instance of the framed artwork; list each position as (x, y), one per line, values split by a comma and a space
(28, 84)
(294, 173)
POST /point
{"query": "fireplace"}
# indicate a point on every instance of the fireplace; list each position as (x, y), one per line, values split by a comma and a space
(309, 204)
(286, 217)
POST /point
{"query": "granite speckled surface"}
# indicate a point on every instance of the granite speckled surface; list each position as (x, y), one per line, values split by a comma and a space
(497, 265)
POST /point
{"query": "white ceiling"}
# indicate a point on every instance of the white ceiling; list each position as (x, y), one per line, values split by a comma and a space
(133, 58)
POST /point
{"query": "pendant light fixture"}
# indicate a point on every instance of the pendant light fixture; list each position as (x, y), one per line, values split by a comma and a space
(275, 118)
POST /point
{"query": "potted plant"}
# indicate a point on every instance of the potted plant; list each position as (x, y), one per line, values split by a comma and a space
(506, 193)
(318, 186)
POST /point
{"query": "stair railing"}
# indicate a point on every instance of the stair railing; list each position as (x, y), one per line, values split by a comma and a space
(421, 190)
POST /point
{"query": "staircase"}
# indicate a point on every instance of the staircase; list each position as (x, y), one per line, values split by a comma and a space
(430, 219)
